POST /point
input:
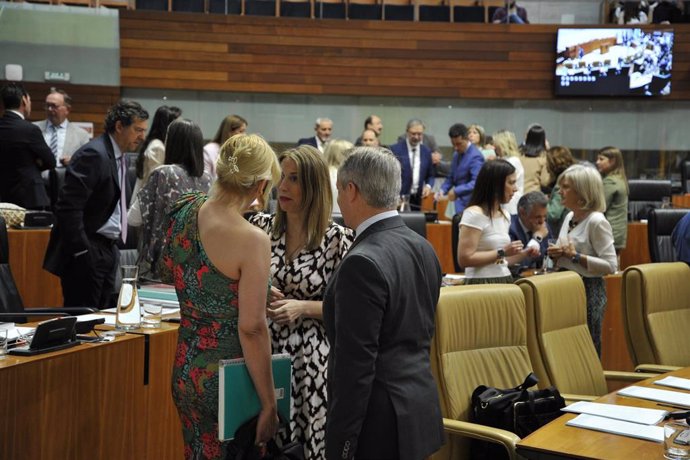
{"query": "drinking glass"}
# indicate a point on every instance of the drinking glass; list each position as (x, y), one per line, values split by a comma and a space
(128, 312)
(151, 314)
(4, 332)
(548, 260)
(676, 440)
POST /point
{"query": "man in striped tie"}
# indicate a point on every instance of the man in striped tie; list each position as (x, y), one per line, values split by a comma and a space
(63, 138)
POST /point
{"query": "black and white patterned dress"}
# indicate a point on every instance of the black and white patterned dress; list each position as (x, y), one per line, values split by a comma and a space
(305, 278)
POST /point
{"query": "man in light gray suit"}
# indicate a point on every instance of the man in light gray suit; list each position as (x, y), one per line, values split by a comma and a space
(63, 137)
(378, 312)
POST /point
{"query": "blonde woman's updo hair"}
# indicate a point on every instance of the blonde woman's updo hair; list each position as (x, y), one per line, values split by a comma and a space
(244, 160)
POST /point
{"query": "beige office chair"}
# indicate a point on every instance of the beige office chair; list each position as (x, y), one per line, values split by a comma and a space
(559, 342)
(656, 315)
(480, 339)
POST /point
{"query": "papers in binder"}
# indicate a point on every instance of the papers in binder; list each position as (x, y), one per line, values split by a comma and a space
(608, 425)
(237, 398)
(625, 413)
(674, 382)
(664, 396)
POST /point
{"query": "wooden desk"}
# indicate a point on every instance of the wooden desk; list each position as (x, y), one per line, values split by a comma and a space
(556, 440)
(681, 201)
(637, 247)
(439, 235)
(615, 355)
(80, 403)
(161, 422)
(37, 287)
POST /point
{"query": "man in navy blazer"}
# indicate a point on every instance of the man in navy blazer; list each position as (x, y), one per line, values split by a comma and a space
(324, 129)
(82, 249)
(23, 152)
(530, 227)
(417, 169)
(378, 312)
(464, 168)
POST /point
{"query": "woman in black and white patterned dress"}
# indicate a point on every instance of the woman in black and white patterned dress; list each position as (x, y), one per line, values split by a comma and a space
(306, 248)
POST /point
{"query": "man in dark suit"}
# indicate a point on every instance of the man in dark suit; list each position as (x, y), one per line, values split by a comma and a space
(91, 210)
(417, 169)
(378, 314)
(324, 129)
(23, 152)
(529, 226)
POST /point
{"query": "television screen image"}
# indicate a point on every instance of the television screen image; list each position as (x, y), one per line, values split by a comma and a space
(613, 62)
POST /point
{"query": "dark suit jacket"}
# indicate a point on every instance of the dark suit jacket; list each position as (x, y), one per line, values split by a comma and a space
(517, 233)
(23, 155)
(426, 167)
(379, 318)
(309, 141)
(86, 202)
(464, 169)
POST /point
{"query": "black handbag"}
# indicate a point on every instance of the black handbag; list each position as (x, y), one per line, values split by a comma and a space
(518, 410)
(243, 447)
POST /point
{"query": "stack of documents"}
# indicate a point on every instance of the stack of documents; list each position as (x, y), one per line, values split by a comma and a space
(664, 396)
(674, 382)
(159, 294)
(635, 422)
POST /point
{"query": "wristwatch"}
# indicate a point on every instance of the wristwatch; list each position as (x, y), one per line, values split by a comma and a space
(576, 258)
(500, 255)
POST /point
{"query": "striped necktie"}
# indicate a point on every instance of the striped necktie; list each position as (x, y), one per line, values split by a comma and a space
(54, 140)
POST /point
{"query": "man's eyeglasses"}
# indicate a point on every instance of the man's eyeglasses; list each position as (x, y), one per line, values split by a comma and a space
(49, 106)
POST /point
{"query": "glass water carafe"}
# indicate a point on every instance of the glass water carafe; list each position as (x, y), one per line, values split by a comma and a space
(128, 312)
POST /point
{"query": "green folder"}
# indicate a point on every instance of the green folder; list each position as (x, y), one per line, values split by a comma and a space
(237, 399)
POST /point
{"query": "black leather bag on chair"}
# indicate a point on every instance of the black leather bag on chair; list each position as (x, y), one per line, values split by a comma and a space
(242, 447)
(518, 410)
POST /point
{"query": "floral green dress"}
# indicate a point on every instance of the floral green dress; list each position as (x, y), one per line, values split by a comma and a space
(208, 329)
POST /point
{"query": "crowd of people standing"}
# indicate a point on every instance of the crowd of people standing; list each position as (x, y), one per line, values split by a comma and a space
(294, 281)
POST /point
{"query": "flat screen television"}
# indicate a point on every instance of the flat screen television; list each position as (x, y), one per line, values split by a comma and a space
(613, 62)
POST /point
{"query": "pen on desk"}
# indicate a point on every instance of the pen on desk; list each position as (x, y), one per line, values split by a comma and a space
(171, 320)
(673, 407)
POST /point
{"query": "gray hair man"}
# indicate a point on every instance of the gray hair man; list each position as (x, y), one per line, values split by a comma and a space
(530, 227)
(379, 318)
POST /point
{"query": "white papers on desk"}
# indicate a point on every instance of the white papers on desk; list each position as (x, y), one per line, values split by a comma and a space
(674, 382)
(664, 396)
(609, 425)
(109, 319)
(613, 411)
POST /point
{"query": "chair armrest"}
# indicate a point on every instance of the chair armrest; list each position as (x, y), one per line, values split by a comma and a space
(573, 398)
(656, 368)
(627, 376)
(483, 433)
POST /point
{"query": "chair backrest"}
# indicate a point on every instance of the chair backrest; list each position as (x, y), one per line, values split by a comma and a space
(660, 225)
(560, 345)
(646, 194)
(685, 176)
(454, 239)
(656, 313)
(416, 220)
(480, 340)
(468, 14)
(10, 300)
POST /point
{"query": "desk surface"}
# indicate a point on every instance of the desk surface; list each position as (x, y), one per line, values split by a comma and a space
(84, 402)
(556, 440)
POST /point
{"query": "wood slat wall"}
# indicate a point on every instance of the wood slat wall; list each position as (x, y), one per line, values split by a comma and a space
(339, 57)
(89, 102)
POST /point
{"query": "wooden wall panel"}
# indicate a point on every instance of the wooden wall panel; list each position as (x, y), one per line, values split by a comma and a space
(89, 102)
(339, 57)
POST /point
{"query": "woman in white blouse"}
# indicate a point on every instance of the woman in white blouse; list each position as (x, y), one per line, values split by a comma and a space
(484, 246)
(585, 243)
